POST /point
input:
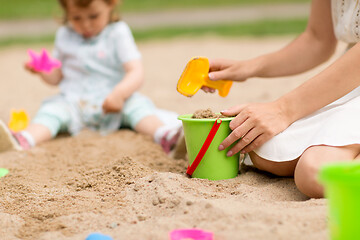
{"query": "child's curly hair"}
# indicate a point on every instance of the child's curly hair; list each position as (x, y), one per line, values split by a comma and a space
(85, 3)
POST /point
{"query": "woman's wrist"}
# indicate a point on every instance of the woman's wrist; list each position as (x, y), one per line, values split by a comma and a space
(257, 67)
(286, 112)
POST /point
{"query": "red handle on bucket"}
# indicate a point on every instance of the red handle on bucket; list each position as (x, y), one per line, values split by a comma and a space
(190, 170)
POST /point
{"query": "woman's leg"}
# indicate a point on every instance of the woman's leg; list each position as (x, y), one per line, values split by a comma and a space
(284, 169)
(307, 168)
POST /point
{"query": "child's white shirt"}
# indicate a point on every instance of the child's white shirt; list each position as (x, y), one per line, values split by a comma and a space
(93, 67)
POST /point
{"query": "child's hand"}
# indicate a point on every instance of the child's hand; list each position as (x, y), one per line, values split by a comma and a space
(52, 78)
(30, 69)
(113, 103)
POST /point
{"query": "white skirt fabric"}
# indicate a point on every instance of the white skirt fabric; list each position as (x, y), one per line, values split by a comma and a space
(337, 124)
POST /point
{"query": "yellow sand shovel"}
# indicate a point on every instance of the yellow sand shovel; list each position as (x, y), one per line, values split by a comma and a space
(196, 75)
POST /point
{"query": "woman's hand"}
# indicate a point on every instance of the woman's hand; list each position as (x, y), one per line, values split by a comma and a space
(254, 124)
(225, 69)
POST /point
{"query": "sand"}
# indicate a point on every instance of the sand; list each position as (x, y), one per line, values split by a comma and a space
(124, 185)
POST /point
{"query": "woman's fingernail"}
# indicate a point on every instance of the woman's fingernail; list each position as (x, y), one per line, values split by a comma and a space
(229, 153)
(223, 111)
(211, 76)
(221, 147)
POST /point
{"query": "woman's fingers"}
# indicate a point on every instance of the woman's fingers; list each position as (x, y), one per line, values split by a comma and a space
(246, 140)
(219, 69)
(219, 75)
(220, 64)
(225, 69)
(257, 142)
(233, 110)
(253, 126)
(207, 89)
(236, 134)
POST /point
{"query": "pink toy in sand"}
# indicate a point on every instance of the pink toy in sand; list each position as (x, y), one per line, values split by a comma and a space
(42, 62)
(194, 234)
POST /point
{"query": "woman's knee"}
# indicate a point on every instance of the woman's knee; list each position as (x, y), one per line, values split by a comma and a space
(306, 176)
(283, 169)
(309, 164)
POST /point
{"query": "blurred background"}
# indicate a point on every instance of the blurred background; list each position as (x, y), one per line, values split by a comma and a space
(168, 34)
(35, 21)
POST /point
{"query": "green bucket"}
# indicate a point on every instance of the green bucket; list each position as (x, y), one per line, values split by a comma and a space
(342, 188)
(214, 165)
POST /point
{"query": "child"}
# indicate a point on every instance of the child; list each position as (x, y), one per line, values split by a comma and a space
(100, 74)
(316, 123)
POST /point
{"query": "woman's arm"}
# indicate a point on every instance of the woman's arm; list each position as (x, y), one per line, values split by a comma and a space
(257, 123)
(313, 47)
(132, 81)
(334, 82)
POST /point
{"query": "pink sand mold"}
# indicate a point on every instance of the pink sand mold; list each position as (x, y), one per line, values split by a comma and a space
(42, 62)
(195, 234)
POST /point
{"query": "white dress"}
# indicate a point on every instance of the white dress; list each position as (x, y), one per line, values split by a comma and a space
(337, 124)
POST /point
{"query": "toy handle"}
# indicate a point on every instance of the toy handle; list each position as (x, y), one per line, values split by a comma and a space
(223, 86)
(190, 170)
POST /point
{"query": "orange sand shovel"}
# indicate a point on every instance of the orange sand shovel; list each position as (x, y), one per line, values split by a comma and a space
(196, 75)
(19, 120)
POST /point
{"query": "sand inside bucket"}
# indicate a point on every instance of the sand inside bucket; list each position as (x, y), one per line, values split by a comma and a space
(206, 113)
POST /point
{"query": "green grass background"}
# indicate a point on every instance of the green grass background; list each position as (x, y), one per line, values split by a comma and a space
(22, 9)
(258, 29)
(27, 9)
